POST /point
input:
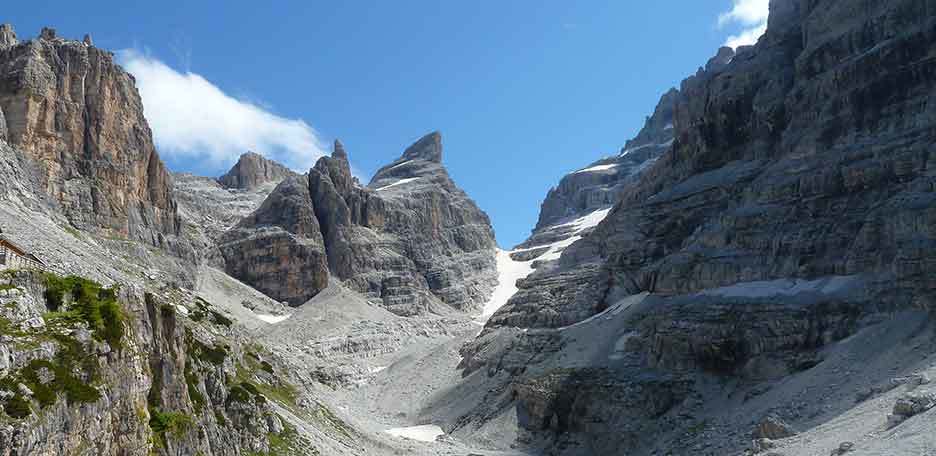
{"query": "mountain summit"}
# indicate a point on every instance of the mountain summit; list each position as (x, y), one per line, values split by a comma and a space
(253, 170)
(411, 241)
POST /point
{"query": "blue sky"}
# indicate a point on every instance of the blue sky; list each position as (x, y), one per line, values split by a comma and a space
(522, 91)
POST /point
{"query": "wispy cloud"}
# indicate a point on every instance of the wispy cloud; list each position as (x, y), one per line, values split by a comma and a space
(750, 14)
(192, 119)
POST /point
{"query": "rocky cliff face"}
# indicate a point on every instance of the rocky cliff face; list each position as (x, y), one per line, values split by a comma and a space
(127, 375)
(410, 240)
(253, 170)
(77, 115)
(597, 185)
(279, 248)
(208, 208)
(794, 208)
(556, 296)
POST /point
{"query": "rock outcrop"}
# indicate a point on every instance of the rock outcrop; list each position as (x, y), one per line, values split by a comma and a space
(209, 209)
(411, 240)
(597, 185)
(77, 115)
(556, 296)
(795, 207)
(253, 170)
(7, 36)
(137, 378)
(279, 248)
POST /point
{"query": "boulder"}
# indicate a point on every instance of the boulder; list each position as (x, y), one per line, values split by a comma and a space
(773, 428)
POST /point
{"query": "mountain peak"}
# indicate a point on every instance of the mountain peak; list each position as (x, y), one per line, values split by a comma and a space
(339, 151)
(7, 36)
(253, 170)
(427, 148)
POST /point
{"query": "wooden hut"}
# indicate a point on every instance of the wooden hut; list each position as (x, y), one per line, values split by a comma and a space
(13, 256)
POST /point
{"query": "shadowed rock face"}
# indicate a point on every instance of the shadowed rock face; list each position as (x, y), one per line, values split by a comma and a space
(411, 240)
(806, 156)
(253, 170)
(279, 249)
(809, 156)
(796, 206)
(78, 116)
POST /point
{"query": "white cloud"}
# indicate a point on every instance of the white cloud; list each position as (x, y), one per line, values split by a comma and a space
(752, 15)
(192, 119)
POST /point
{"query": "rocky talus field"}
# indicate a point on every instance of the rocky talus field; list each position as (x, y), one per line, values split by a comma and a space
(753, 273)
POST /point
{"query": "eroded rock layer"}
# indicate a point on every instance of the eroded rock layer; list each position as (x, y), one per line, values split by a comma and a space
(77, 115)
(795, 209)
(411, 240)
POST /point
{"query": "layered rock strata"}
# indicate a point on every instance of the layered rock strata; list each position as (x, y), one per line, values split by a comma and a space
(410, 240)
(78, 117)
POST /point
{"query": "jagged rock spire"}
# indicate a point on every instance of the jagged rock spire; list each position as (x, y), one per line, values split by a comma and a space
(47, 33)
(339, 151)
(3, 126)
(721, 59)
(428, 148)
(253, 170)
(7, 36)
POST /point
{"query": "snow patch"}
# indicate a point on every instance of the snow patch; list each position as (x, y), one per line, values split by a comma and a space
(272, 319)
(783, 287)
(399, 182)
(425, 433)
(508, 273)
(597, 168)
(634, 149)
(612, 310)
(590, 220)
(399, 164)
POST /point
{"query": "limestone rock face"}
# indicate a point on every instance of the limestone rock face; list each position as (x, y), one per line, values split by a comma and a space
(562, 293)
(7, 36)
(805, 157)
(446, 239)
(795, 207)
(160, 369)
(3, 127)
(279, 248)
(781, 167)
(72, 110)
(411, 240)
(253, 170)
(597, 185)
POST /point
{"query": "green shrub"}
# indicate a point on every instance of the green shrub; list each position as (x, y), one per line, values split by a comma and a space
(237, 393)
(175, 424)
(219, 417)
(17, 407)
(219, 319)
(191, 382)
(244, 392)
(214, 355)
(70, 358)
(96, 305)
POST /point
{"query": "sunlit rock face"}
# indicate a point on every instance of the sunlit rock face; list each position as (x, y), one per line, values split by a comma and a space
(77, 115)
(253, 170)
(411, 240)
(795, 208)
